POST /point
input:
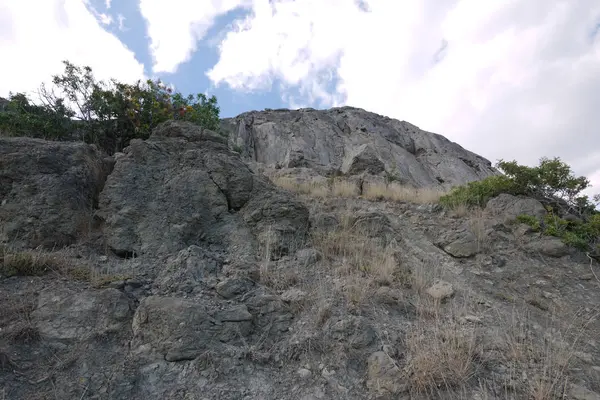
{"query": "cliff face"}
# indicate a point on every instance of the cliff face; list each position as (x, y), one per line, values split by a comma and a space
(353, 141)
(174, 271)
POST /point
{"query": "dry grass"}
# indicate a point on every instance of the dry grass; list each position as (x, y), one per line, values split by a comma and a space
(38, 262)
(313, 188)
(544, 357)
(400, 193)
(442, 355)
(477, 219)
(339, 187)
(344, 188)
(29, 262)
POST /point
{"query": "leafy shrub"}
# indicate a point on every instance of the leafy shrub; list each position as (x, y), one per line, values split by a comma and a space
(107, 114)
(20, 117)
(584, 235)
(551, 182)
(554, 185)
(477, 193)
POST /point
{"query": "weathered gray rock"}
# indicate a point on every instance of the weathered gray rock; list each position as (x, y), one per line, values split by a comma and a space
(549, 246)
(182, 329)
(383, 374)
(62, 315)
(192, 268)
(508, 207)
(579, 392)
(48, 190)
(183, 187)
(461, 243)
(355, 331)
(354, 141)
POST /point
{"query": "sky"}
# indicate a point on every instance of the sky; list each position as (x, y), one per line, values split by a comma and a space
(506, 79)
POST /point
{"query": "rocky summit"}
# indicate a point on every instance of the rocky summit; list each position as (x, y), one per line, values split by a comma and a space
(298, 254)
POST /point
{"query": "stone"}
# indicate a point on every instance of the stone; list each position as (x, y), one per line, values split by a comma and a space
(304, 373)
(193, 267)
(549, 246)
(183, 187)
(63, 316)
(508, 207)
(464, 246)
(48, 191)
(182, 329)
(441, 290)
(383, 374)
(231, 287)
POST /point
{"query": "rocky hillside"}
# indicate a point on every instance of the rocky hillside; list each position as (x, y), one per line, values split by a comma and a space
(177, 270)
(352, 141)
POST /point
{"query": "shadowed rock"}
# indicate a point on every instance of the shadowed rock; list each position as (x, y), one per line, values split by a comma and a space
(48, 190)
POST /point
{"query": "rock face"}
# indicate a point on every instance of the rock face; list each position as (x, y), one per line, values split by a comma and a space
(353, 141)
(183, 187)
(48, 190)
(202, 280)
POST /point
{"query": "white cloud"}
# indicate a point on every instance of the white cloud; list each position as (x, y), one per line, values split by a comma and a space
(515, 80)
(175, 27)
(107, 4)
(33, 44)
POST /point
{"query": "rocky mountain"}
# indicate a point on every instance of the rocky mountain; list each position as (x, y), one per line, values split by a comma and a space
(178, 270)
(353, 141)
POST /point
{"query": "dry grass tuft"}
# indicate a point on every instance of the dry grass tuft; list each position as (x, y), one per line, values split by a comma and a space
(340, 187)
(442, 355)
(400, 193)
(544, 357)
(344, 188)
(39, 262)
(312, 188)
(29, 262)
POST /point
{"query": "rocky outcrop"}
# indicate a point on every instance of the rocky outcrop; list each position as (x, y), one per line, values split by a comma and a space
(48, 190)
(202, 280)
(183, 187)
(353, 141)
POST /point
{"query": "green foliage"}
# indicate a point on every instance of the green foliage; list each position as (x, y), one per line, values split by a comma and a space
(21, 117)
(477, 193)
(551, 179)
(551, 182)
(584, 235)
(107, 114)
(530, 220)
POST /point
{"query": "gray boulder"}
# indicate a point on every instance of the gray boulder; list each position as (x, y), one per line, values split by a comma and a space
(508, 207)
(182, 329)
(48, 190)
(183, 187)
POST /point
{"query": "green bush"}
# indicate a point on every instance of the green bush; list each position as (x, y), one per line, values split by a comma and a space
(551, 182)
(20, 117)
(107, 114)
(584, 235)
(477, 193)
(554, 185)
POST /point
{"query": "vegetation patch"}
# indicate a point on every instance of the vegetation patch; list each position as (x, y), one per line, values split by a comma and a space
(571, 216)
(108, 114)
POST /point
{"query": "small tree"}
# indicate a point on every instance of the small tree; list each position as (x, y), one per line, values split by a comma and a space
(552, 182)
(107, 114)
